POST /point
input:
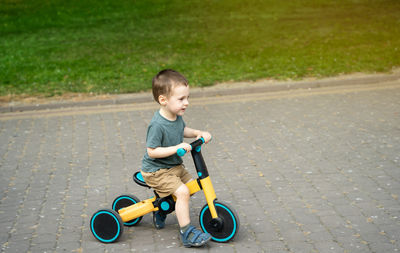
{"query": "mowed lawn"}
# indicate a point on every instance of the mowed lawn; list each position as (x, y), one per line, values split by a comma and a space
(55, 47)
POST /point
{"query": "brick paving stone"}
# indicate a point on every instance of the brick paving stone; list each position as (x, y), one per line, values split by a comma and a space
(302, 247)
(328, 247)
(306, 170)
(274, 246)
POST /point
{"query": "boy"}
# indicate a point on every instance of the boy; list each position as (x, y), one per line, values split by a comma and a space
(162, 168)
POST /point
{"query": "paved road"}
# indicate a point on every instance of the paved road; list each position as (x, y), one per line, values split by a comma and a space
(307, 170)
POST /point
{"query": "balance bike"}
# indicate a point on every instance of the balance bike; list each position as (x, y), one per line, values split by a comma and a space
(216, 217)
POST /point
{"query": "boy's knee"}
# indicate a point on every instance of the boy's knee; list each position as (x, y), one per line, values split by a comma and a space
(182, 192)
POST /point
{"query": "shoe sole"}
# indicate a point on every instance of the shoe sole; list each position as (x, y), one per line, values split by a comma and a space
(197, 244)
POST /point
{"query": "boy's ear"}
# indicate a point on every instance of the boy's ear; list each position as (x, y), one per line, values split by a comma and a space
(162, 100)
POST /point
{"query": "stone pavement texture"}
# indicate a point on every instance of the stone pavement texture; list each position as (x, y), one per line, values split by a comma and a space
(307, 170)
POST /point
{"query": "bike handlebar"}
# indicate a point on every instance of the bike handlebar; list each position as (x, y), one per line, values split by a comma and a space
(195, 145)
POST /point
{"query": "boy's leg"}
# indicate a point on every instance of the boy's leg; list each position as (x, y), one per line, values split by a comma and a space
(166, 182)
(175, 178)
(190, 236)
(182, 195)
(182, 205)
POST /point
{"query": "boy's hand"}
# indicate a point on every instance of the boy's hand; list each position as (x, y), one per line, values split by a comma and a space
(185, 146)
(206, 135)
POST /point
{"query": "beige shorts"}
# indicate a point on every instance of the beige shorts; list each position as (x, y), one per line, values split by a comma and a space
(166, 181)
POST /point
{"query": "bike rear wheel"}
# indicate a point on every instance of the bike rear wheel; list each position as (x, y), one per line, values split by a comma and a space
(125, 201)
(106, 225)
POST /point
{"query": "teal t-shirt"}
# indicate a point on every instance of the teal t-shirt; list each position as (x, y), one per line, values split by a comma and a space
(163, 133)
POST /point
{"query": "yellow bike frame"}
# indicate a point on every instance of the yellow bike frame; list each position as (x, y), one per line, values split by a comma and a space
(146, 206)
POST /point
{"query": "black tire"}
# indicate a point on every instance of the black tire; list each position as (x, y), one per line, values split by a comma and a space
(106, 225)
(125, 201)
(228, 218)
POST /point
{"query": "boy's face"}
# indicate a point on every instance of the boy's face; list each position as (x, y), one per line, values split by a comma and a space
(178, 101)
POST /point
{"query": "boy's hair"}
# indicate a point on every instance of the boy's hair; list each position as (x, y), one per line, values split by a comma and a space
(165, 80)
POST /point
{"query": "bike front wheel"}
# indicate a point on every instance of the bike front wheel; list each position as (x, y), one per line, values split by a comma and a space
(225, 227)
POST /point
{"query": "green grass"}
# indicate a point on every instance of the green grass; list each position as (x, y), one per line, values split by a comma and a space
(116, 46)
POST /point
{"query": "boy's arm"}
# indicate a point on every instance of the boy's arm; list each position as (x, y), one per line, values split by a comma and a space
(162, 152)
(194, 133)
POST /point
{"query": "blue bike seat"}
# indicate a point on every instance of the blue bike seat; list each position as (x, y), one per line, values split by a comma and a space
(138, 178)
